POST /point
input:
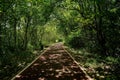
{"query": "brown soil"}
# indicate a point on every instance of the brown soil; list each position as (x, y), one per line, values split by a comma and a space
(54, 64)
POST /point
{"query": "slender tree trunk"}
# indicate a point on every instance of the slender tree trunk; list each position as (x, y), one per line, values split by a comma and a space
(1, 17)
(26, 37)
(0, 38)
(100, 35)
(34, 36)
(15, 34)
(26, 33)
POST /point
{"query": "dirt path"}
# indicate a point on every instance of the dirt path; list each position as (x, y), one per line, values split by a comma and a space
(54, 64)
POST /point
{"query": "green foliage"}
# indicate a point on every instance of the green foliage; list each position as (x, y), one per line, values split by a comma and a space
(76, 42)
(11, 63)
(97, 21)
(27, 25)
(22, 30)
(50, 36)
(97, 66)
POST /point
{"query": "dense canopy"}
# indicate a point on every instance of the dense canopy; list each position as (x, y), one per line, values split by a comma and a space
(30, 25)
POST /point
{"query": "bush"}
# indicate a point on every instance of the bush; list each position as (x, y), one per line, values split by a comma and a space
(76, 42)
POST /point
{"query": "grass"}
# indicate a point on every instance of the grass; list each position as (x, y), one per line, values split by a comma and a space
(97, 66)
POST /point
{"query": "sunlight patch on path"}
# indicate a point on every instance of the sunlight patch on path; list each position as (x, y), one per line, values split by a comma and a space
(54, 64)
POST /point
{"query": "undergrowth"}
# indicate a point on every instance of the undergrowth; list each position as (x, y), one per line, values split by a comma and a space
(13, 62)
(97, 66)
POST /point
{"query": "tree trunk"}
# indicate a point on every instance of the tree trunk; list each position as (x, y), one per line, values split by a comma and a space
(0, 38)
(100, 35)
(26, 32)
(1, 18)
(15, 33)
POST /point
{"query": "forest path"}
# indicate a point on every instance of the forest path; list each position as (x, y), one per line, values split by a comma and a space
(55, 63)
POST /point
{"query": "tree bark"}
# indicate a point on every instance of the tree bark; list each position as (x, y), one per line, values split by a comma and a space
(15, 33)
(26, 32)
(1, 18)
(100, 35)
(0, 38)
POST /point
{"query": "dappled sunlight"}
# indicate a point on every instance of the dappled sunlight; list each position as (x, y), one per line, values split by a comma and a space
(97, 66)
(53, 66)
(90, 28)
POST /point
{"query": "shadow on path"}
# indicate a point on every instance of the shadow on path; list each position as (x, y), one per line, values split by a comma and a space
(54, 64)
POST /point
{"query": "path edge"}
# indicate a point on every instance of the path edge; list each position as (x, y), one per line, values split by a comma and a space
(30, 63)
(89, 78)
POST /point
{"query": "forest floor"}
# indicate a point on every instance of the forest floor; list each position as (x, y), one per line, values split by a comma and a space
(55, 63)
(97, 66)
